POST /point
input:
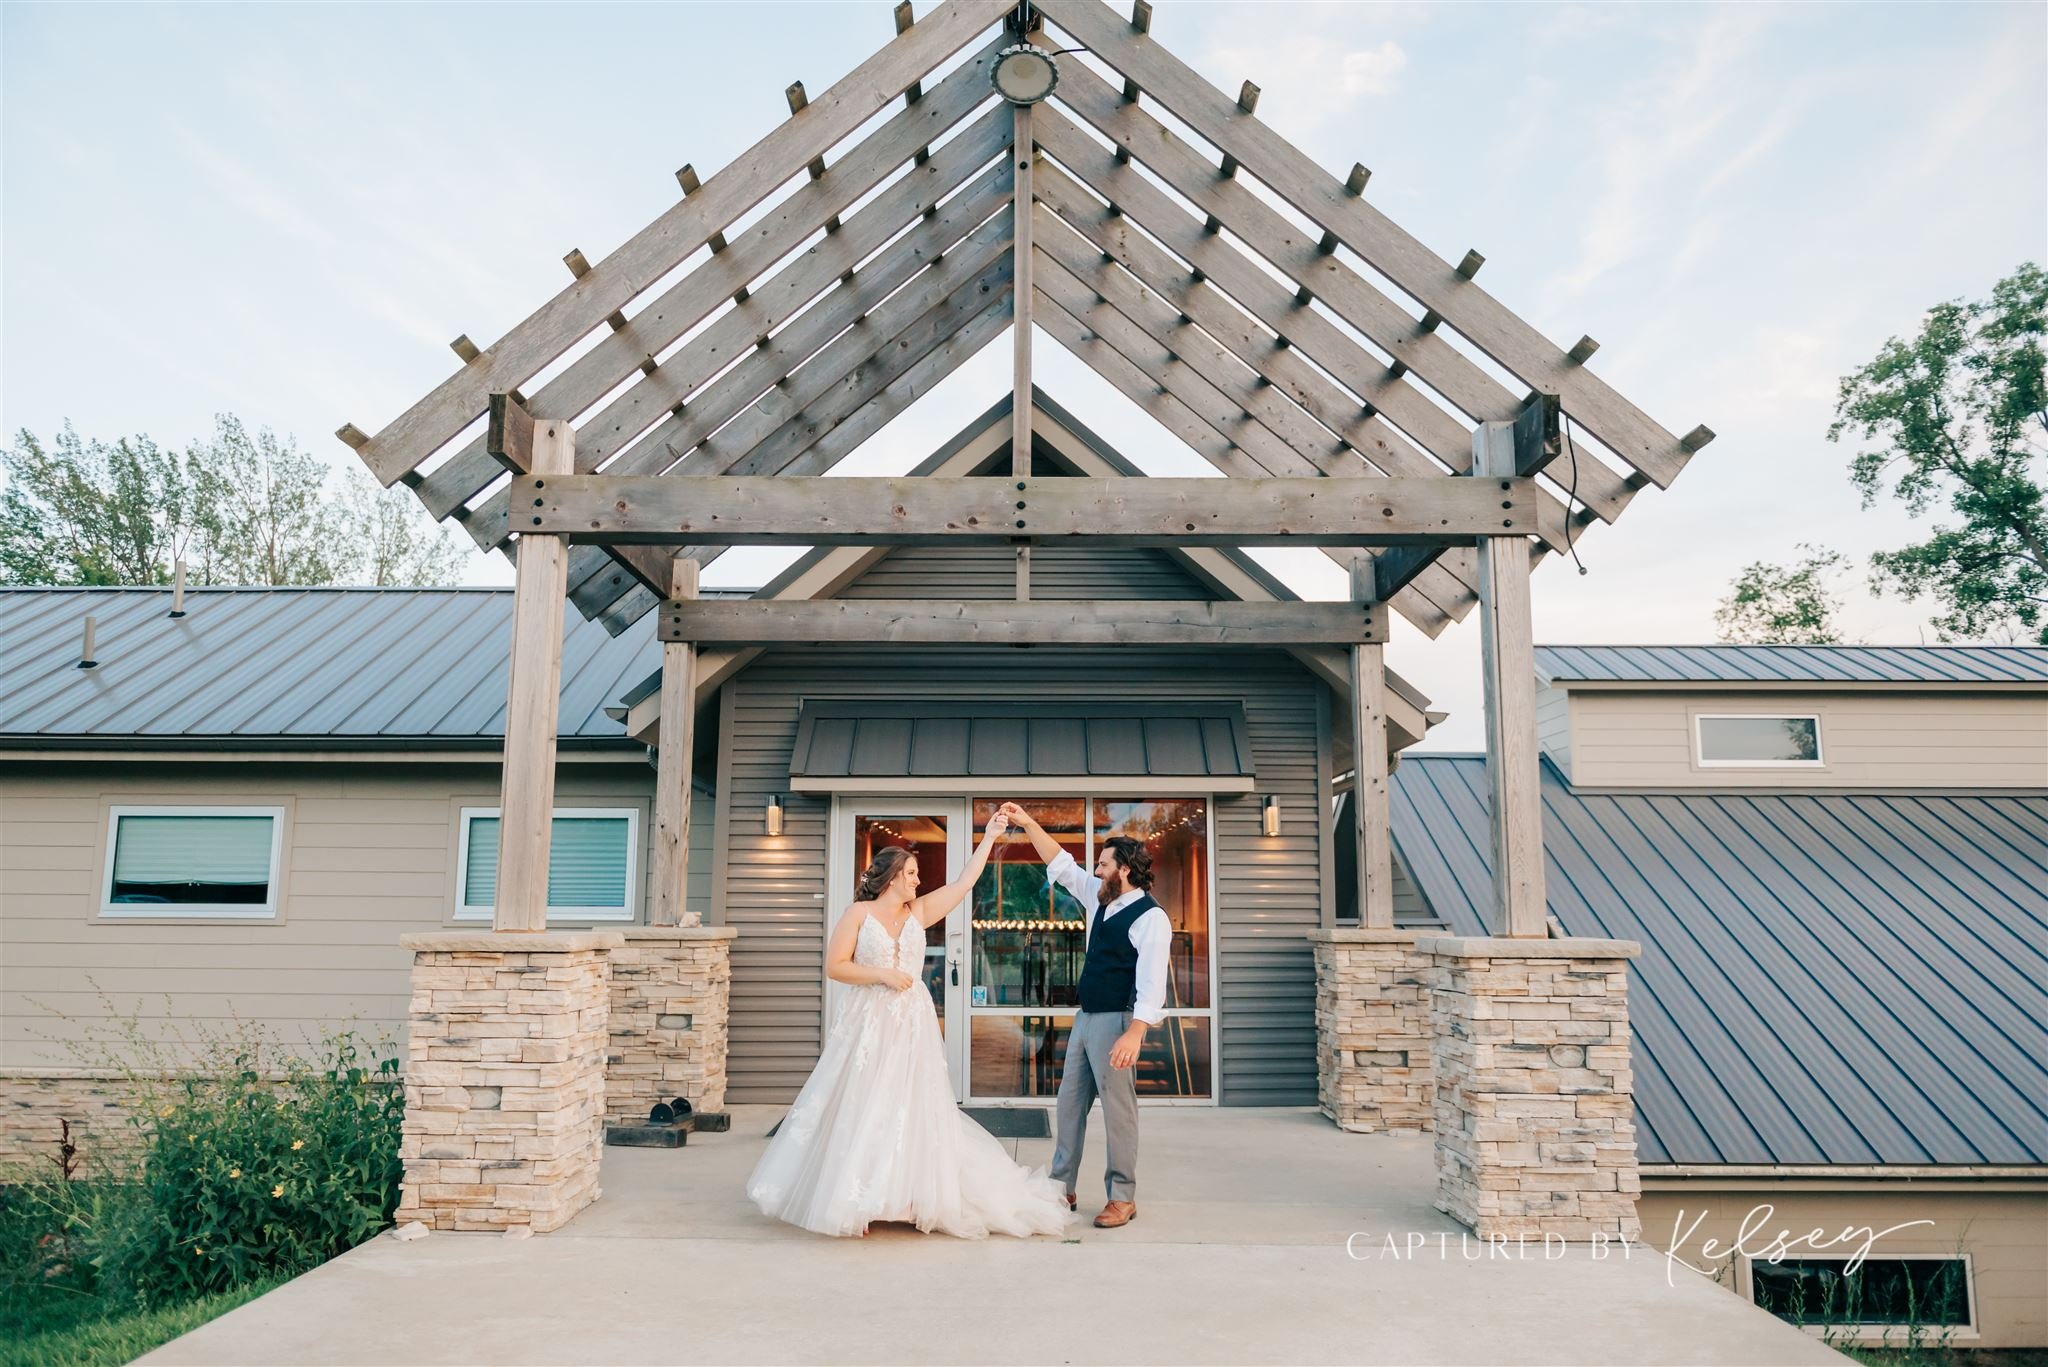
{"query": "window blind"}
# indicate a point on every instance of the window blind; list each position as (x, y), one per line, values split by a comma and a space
(586, 862)
(191, 858)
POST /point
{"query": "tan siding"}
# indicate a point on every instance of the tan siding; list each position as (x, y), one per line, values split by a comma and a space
(1868, 739)
(1269, 892)
(1554, 726)
(370, 854)
(2004, 1232)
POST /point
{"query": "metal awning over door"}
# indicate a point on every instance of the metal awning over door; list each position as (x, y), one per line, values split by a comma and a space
(952, 746)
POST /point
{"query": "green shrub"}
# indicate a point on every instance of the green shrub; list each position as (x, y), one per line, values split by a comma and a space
(252, 1172)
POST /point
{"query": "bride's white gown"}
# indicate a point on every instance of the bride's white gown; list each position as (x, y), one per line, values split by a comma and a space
(875, 1134)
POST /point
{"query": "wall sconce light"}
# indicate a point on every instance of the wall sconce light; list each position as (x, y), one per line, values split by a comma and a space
(775, 814)
(1269, 817)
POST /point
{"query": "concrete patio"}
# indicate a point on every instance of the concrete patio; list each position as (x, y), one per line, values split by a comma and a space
(1239, 1255)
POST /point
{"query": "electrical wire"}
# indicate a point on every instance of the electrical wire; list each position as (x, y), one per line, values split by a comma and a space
(1571, 495)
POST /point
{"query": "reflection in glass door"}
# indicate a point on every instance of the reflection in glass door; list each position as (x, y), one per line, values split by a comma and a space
(1027, 941)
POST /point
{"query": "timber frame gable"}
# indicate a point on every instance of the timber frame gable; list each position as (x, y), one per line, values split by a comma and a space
(1360, 393)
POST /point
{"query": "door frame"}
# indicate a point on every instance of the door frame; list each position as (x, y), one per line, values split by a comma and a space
(846, 807)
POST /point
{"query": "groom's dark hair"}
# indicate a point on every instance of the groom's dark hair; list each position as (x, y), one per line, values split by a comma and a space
(1136, 859)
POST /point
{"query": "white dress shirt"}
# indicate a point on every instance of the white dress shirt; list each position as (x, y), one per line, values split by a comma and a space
(1151, 934)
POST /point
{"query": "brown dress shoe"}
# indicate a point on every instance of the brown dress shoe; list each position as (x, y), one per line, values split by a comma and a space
(1117, 1213)
(1073, 1202)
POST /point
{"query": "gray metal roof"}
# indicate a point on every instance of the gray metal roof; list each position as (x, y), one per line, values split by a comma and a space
(270, 665)
(1825, 978)
(909, 739)
(1999, 665)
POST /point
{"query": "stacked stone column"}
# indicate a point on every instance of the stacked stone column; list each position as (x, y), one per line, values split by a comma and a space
(1535, 1129)
(504, 1079)
(1373, 1067)
(669, 991)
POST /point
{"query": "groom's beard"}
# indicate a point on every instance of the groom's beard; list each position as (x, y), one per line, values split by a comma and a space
(1111, 889)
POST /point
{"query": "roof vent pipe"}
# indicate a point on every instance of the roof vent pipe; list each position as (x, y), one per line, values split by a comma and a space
(85, 656)
(178, 590)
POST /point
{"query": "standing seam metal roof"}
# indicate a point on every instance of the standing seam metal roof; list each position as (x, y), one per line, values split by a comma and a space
(273, 664)
(2000, 665)
(1825, 978)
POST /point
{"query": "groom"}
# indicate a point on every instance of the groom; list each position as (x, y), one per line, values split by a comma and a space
(1123, 991)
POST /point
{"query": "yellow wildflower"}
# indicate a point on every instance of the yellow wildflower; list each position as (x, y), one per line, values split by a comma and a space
(234, 1172)
(277, 1190)
(165, 1111)
(298, 1144)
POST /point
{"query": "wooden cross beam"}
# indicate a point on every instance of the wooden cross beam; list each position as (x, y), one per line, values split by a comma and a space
(804, 511)
(654, 250)
(769, 622)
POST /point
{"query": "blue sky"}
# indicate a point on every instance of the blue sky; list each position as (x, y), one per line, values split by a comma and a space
(287, 212)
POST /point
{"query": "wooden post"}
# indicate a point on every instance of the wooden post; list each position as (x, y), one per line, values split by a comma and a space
(1375, 849)
(1020, 345)
(1508, 660)
(527, 802)
(672, 765)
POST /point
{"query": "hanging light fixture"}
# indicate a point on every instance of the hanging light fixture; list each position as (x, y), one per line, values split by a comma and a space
(1270, 816)
(1024, 74)
(775, 814)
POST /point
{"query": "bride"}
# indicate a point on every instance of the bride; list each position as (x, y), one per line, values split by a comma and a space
(875, 1134)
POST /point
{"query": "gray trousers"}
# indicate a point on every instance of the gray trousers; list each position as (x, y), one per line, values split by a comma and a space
(1084, 1076)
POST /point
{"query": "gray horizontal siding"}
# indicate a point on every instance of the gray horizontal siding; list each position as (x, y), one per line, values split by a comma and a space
(1268, 892)
(1058, 573)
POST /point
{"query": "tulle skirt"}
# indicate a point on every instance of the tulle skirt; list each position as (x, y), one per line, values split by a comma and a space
(875, 1135)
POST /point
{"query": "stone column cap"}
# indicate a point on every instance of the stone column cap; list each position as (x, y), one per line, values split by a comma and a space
(1501, 947)
(679, 932)
(510, 941)
(1359, 935)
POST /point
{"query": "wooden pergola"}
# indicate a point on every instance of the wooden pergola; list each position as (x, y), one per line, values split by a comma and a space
(1304, 345)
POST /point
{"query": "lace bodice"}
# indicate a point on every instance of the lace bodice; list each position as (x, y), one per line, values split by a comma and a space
(873, 947)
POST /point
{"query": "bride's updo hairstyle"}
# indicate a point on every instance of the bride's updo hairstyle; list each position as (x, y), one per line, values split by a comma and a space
(887, 864)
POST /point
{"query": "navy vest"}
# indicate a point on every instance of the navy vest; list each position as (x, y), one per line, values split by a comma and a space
(1109, 975)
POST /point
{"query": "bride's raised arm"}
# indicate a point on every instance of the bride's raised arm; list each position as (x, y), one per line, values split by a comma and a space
(934, 905)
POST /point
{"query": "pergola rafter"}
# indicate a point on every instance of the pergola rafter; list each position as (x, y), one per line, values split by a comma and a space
(1146, 251)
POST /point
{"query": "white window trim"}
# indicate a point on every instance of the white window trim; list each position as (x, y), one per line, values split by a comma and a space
(1699, 741)
(192, 911)
(1878, 1335)
(629, 913)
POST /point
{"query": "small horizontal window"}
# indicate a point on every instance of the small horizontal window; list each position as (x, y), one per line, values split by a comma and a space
(1759, 740)
(202, 861)
(1881, 1293)
(592, 863)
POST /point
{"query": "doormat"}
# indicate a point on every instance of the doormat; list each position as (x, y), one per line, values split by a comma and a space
(1004, 1122)
(1012, 1122)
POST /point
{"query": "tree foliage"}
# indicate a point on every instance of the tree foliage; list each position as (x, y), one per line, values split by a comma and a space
(238, 507)
(1957, 419)
(1784, 604)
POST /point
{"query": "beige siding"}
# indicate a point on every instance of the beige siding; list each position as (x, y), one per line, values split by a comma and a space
(370, 853)
(1874, 739)
(1554, 726)
(2004, 1232)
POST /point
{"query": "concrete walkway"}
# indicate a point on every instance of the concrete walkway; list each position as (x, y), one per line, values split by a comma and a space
(1239, 1255)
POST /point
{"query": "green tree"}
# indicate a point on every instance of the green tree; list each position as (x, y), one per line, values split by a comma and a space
(1957, 418)
(85, 512)
(1784, 604)
(240, 508)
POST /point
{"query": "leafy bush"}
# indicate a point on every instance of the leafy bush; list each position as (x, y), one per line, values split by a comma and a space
(254, 1164)
(253, 1173)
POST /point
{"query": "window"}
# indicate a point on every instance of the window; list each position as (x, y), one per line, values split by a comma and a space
(593, 863)
(1759, 741)
(193, 861)
(1895, 1297)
